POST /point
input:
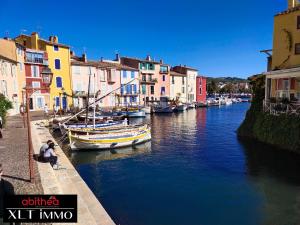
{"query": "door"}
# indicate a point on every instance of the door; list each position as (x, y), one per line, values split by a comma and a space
(31, 104)
(64, 102)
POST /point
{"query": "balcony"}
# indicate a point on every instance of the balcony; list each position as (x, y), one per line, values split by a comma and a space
(36, 58)
(148, 81)
(278, 107)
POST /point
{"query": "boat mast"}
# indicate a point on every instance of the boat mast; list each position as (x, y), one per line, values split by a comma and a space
(88, 99)
(94, 119)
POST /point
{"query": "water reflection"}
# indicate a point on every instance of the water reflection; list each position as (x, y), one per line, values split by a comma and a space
(94, 157)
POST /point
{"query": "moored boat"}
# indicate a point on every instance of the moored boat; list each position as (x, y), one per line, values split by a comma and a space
(180, 108)
(109, 140)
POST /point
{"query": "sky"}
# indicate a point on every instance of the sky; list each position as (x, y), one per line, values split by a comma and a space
(219, 38)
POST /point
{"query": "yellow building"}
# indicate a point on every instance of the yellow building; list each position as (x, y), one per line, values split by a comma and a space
(283, 76)
(59, 63)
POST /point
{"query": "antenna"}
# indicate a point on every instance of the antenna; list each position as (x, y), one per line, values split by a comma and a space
(84, 50)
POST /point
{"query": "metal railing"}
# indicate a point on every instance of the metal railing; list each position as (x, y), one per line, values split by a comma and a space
(292, 108)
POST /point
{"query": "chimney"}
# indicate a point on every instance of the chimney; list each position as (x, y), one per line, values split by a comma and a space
(148, 58)
(161, 61)
(117, 57)
(72, 53)
(101, 59)
(34, 40)
(84, 58)
(292, 3)
(53, 39)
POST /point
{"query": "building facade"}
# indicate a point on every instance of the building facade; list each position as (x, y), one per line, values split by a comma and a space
(154, 78)
(283, 77)
(8, 74)
(178, 86)
(200, 89)
(59, 64)
(36, 65)
(191, 75)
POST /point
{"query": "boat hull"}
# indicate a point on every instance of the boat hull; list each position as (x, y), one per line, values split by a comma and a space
(79, 143)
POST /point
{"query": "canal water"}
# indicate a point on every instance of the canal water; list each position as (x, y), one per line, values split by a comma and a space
(195, 172)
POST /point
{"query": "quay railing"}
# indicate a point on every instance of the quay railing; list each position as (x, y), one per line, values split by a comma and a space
(278, 108)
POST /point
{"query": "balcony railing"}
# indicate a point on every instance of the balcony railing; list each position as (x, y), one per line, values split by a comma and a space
(278, 108)
(149, 80)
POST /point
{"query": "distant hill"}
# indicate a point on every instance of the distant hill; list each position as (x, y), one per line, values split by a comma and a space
(227, 79)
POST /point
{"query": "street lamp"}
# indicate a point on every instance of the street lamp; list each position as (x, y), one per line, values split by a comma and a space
(47, 76)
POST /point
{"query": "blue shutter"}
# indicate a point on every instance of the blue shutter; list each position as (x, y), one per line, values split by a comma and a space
(58, 82)
(57, 101)
(128, 87)
(122, 90)
(124, 74)
(134, 89)
(132, 74)
(57, 64)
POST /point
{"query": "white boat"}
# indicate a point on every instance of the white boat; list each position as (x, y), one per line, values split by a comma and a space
(146, 109)
(190, 106)
(135, 114)
(110, 140)
(180, 108)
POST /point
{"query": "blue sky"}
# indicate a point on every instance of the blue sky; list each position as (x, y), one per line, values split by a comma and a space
(220, 38)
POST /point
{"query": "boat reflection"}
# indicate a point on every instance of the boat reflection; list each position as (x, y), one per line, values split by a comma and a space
(94, 157)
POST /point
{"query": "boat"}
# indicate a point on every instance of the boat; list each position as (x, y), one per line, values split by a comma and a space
(161, 109)
(109, 140)
(190, 106)
(146, 109)
(136, 114)
(164, 106)
(103, 130)
(179, 108)
(108, 124)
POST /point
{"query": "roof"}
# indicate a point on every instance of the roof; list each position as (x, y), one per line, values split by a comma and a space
(185, 67)
(290, 10)
(141, 60)
(100, 64)
(173, 73)
(44, 40)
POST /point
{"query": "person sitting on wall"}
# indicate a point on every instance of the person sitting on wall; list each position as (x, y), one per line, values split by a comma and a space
(50, 156)
(43, 149)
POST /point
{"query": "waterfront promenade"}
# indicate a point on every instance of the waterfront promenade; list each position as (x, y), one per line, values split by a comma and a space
(14, 157)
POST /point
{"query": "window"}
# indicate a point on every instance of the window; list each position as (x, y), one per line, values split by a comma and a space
(55, 47)
(35, 71)
(152, 90)
(36, 84)
(144, 78)
(122, 90)
(102, 75)
(164, 78)
(163, 90)
(200, 91)
(142, 66)
(183, 80)
(24, 43)
(125, 99)
(173, 80)
(132, 74)
(163, 69)
(297, 48)
(57, 64)
(134, 88)
(59, 82)
(150, 66)
(183, 90)
(57, 102)
(3, 87)
(40, 102)
(143, 89)
(128, 89)
(124, 74)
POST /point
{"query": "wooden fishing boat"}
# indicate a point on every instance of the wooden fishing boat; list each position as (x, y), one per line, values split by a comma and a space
(108, 124)
(106, 130)
(109, 140)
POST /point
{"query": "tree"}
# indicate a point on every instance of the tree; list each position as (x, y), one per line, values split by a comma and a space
(212, 87)
(5, 105)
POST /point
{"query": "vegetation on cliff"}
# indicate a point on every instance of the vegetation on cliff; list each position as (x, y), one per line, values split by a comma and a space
(282, 131)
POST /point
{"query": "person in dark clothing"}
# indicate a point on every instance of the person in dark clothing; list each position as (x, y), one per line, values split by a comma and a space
(50, 156)
(6, 188)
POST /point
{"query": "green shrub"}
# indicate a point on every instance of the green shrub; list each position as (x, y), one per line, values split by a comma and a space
(282, 131)
(5, 105)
